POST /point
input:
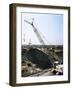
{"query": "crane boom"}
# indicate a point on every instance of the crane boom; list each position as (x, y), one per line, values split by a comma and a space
(36, 31)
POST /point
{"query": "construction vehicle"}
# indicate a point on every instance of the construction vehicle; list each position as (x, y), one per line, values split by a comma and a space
(51, 51)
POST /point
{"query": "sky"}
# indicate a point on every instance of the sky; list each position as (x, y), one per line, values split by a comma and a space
(49, 27)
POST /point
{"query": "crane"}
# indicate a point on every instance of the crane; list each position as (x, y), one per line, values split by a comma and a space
(36, 31)
(53, 54)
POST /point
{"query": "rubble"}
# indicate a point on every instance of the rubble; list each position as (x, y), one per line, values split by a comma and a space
(36, 62)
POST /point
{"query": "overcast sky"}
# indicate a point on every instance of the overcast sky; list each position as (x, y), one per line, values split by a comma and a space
(49, 26)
